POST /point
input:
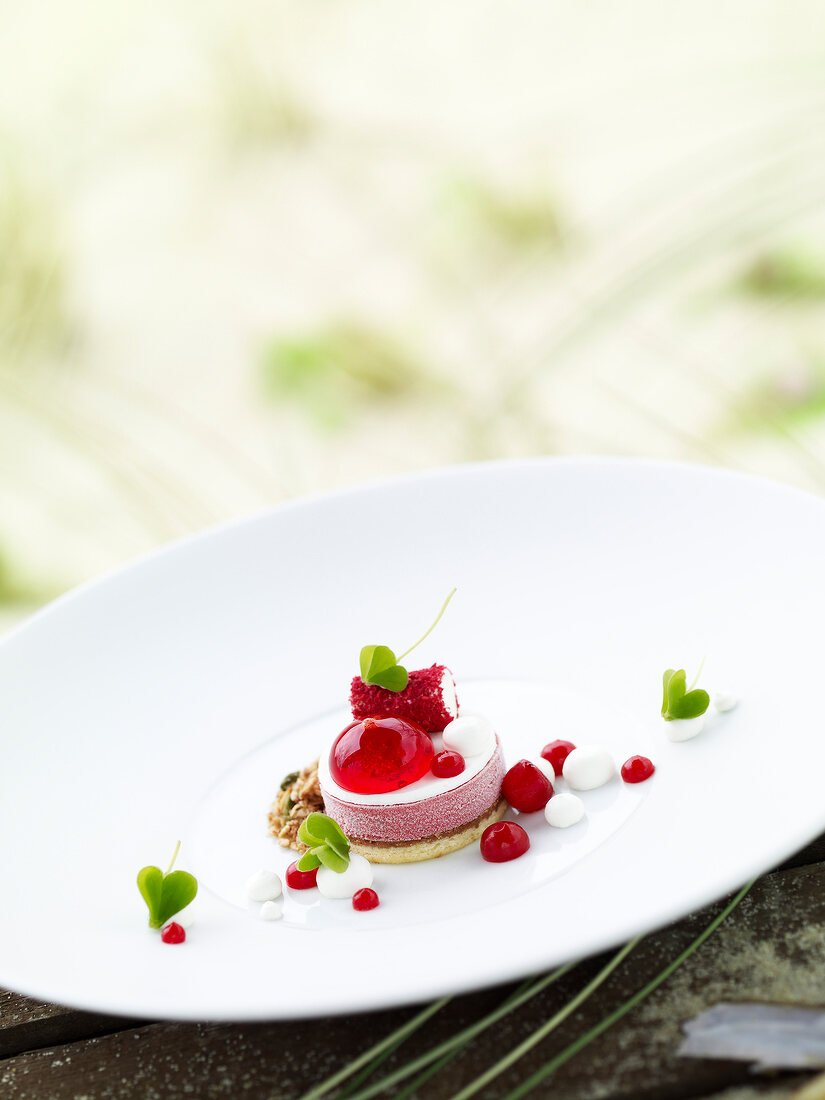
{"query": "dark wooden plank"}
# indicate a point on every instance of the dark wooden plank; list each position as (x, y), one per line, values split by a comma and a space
(811, 853)
(771, 949)
(26, 1024)
(787, 1088)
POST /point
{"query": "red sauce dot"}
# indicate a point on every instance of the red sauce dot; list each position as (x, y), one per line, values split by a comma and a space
(526, 787)
(446, 764)
(173, 933)
(637, 769)
(557, 752)
(300, 880)
(503, 841)
(365, 899)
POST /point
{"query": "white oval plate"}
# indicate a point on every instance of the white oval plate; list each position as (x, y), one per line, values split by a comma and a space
(169, 699)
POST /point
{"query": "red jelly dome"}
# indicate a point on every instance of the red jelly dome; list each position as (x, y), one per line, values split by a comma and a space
(376, 755)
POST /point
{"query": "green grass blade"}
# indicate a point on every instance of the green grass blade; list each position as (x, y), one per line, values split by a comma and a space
(369, 1069)
(394, 1037)
(583, 1040)
(524, 993)
(545, 1029)
(434, 1067)
(426, 1074)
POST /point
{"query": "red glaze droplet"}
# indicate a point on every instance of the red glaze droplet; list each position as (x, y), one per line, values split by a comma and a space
(447, 764)
(300, 880)
(557, 752)
(377, 755)
(637, 769)
(173, 933)
(526, 787)
(365, 899)
(503, 841)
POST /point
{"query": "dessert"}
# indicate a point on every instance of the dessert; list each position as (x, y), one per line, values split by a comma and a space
(407, 779)
(427, 815)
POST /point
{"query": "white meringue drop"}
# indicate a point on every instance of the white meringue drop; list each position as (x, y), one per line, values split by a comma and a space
(263, 886)
(587, 767)
(357, 876)
(470, 734)
(564, 810)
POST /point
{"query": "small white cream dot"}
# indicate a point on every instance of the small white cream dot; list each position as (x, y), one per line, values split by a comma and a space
(545, 767)
(564, 810)
(725, 701)
(263, 886)
(682, 729)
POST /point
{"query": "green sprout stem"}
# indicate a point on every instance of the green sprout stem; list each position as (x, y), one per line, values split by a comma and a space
(174, 857)
(698, 674)
(429, 630)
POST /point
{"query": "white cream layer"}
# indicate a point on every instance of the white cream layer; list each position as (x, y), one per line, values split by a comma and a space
(426, 787)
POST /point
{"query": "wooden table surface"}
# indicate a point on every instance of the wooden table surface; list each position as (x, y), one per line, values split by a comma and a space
(772, 948)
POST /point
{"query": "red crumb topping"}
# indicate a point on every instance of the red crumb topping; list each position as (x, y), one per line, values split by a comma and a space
(421, 701)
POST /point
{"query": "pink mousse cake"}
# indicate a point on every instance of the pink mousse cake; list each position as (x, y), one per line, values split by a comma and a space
(424, 819)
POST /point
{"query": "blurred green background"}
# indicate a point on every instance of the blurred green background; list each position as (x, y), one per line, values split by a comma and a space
(257, 250)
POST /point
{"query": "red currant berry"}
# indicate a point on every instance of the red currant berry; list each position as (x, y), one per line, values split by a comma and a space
(637, 769)
(557, 752)
(503, 841)
(446, 764)
(365, 899)
(172, 933)
(526, 788)
(377, 755)
(300, 880)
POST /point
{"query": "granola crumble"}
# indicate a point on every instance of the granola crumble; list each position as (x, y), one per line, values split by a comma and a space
(299, 796)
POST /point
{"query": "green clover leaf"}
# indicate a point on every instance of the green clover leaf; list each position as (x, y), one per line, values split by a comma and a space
(677, 701)
(326, 842)
(166, 894)
(380, 666)
(309, 860)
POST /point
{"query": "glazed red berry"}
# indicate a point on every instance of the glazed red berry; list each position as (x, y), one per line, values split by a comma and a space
(557, 752)
(446, 764)
(526, 788)
(376, 755)
(365, 899)
(637, 769)
(172, 933)
(503, 841)
(300, 880)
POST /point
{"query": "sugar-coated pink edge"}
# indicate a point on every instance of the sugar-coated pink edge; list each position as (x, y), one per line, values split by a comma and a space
(410, 821)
